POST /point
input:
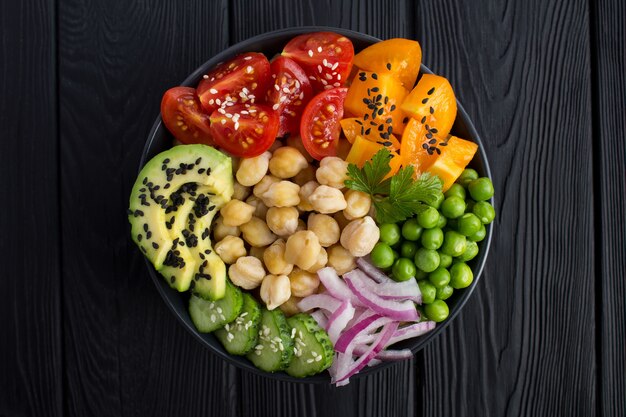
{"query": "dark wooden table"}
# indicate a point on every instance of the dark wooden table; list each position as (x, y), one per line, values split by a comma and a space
(84, 332)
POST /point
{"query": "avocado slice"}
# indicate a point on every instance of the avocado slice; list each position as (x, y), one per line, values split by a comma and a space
(172, 203)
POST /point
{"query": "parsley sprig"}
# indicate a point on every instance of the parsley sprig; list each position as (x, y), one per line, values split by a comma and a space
(397, 198)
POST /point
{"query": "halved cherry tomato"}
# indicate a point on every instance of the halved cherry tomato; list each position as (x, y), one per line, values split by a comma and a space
(415, 147)
(290, 92)
(432, 102)
(353, 126)
(399, 57)
(183, 116)
(243, 79)
(455, 156)
(244, 129)
(320, 126)
(376, 98)
(363, 150)
(326, 58)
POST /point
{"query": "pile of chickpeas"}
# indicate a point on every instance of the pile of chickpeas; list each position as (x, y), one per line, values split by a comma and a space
(287, 219)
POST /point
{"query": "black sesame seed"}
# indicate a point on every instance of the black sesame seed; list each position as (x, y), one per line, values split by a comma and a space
(373, 123)
(145, 227)
(392, 108)
(166, 186)
(201, 255)
(166, 160)
(432, 141)
(432, 110)
(208, 251)
(375, 89)
(143, 249)
(388, 66)
(361, 74)
(387, 143)
(390, 130)
(443, 144)
(366, 116)
(381, 111)
(359, 122)
(405, 120)
(423, 119)
(425, 100)
(432, 90)
(170, 177)
(430, 151)
(374, 76)
(369, 92)
(367, 101)
(386, 99)
(425, 146)
(173, 279)
(434, 130)
(367, 132)
(438, 151)
(379, 97)
(139, 237)
(389, 120)
(198, 160)
(381, 127)
(429, 135)
(155, 245)
(145, 181)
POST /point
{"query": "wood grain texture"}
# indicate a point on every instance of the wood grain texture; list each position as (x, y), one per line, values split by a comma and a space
(125, 352)
(525, 342)
(608, 46)
(391, 392)
(31, 357)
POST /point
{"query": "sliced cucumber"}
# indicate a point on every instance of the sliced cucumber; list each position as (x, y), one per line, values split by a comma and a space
(208, 316)
(241, 335)
(275, 346)
(313, 350)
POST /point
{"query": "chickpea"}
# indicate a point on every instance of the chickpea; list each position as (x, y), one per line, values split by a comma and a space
(320, 262)
(340, 259)
(360, 236)
(290, 307)
(358, 204)
(304, 176)
(258, 252)
(282, 194)
(230, 249)
(274, 259)
(327, 200)
(275, 290)
(240, 192)
(333, 171)
(260, 209)
(301, 225)
(236, 213)
(295, 141)
(287, 162)
(302, 249)
(341, 220)
(283, 221)
(256, 233)
(303, 283)
(325, 228)
(264, 185)
(220, 230)
(252, 170)
(305, 192)
(247, 272)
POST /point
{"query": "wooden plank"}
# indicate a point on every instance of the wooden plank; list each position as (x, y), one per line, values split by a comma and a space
(391, 392)
(31, 364)
(608, 46)
(125, 352)
(525, 342)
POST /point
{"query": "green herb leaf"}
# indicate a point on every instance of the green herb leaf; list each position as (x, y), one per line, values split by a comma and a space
(369, 179)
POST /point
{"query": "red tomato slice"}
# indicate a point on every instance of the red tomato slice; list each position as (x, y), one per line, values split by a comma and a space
(183, 116)
(320, 126)
(243, 79)
(326, 57)
(290, 92)
(244, 129)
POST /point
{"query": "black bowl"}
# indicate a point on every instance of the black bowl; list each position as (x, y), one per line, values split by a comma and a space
(160, 139)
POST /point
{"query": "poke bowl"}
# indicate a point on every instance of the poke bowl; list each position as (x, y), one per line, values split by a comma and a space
(160, 140)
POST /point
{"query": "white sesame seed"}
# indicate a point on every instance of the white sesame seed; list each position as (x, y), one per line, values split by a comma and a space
(329, 77)
(335, 65)
(244, 112)
(248, 58)
(337, 85)
(218, 101)
(219, 309)
(230, 116)
(249, 69)
(282, 98)
(236, 125)
(276, 87)
(312, 77)
(212, 79)
(221, 110)
(325, 62)
(211, 102)
(222, 317)
(286, 90)
(301, 96)
(213, 91)
(227, 327)
(313, 353)
(297, 84)
(309, 361)
(275, 106)
(319, 68)
(310, 53)
(319, 358)
(293, 332)
(206, 77)
(319, 49)
(213, 318)
(324, 82)
(339, 76)
(223, 121)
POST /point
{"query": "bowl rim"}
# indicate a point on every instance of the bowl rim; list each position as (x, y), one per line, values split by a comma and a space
(322, 378)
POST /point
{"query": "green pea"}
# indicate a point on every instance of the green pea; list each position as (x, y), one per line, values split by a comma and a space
(478, 236)
(389, 233)
(453, 207)
(457, 190)
(454, 243)
(442, 221)
(440, 277)
(461, 275)
(411, 230)
(432, 238)
(403, 269)
(444, 293)
(484, 211)
(437, 311)
(437, 203)
(467, 176)
(481, 189)
(468, 224)
(471, 250)
(408, 249)
(428, 290)
(444, 260)
(426, 259)
(428, 218)
(382, 255)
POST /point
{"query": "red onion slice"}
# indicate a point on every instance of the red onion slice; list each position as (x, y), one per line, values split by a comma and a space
(319, 301)
(405, 290)
(320, 318)
(365, 327)
(373, 272)
(339, 319)
(361, 285)
(403, 333)
(336, 287)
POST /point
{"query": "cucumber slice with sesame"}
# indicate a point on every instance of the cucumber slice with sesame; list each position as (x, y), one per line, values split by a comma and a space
(274, 349)
(209, 316)
(241, 335)
(313, 350)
